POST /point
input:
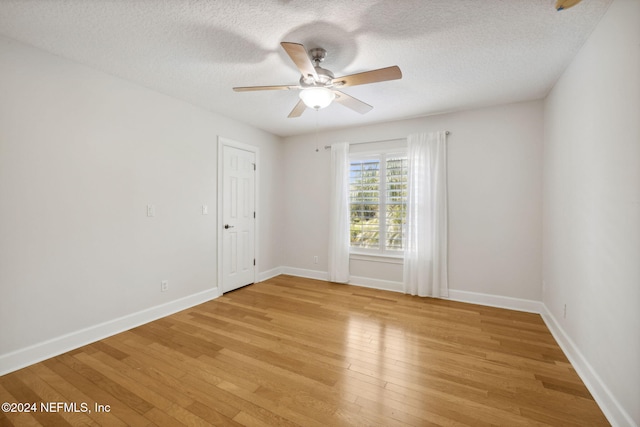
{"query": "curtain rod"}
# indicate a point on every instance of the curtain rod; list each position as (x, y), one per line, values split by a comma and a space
(326, 147)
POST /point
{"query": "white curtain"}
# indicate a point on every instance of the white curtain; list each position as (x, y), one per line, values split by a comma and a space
(339, 214)
(425, 252)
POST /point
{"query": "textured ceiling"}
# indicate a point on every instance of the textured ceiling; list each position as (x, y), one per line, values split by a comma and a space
(454, 54)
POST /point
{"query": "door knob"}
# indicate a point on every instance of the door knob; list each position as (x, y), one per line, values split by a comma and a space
(228, 226)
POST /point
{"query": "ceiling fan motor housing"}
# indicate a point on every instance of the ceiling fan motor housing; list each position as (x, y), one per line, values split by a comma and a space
(325, 76)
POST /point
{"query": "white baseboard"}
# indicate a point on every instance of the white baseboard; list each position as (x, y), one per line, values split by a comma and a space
(309, 274)
(19, 359)
(384, 285)
(610, 406)
(510, 303)
(365, 282)
(499, 301)
(266, 275)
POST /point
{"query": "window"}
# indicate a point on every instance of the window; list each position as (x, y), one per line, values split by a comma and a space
(377, 203)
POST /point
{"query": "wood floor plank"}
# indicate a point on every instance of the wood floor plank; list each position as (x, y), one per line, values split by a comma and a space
(71, 393)
(143, 377)
(164, 402)
(14, 384)
(301, 352)
(47, 394)
(120, 408)
(10, 418)
(100, 379)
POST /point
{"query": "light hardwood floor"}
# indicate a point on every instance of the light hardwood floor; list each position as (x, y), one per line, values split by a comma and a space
(292, 351)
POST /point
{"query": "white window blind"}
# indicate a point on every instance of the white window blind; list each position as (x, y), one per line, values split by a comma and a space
(377, 204)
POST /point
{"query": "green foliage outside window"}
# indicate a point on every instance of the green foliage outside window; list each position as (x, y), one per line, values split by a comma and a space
(377, 186)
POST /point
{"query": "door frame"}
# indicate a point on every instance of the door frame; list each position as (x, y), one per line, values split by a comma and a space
(226, 142)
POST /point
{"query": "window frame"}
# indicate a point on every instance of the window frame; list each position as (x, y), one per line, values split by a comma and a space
(382, 156)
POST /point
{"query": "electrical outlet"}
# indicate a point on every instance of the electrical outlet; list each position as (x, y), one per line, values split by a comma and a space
(315, 259)
(205, 210)
(151, 210)
(164, 286)
(565, 311)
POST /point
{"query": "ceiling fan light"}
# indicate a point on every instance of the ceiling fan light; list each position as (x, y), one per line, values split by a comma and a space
(317, 97)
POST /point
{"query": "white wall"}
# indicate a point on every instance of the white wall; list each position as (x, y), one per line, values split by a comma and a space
(81, 155)
(592, 209)
(495, 190)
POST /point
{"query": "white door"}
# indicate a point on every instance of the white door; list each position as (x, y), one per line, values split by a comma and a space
(238, 217)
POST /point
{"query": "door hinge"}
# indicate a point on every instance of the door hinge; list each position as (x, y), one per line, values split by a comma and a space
(254, 215)
(254, 166)
(254, 261)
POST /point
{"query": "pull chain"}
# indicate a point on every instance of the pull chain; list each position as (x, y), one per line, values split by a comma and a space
(317, 146)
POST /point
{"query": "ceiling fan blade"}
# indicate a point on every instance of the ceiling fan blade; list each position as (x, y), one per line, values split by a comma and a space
(299, 56)
(297, 110)
(252, 88)
(351, 102)
(373, 76)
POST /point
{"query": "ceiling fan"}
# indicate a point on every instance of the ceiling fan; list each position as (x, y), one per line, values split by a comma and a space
(318, 86)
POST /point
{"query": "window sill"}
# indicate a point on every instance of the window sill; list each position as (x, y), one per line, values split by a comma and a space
(389, 259)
